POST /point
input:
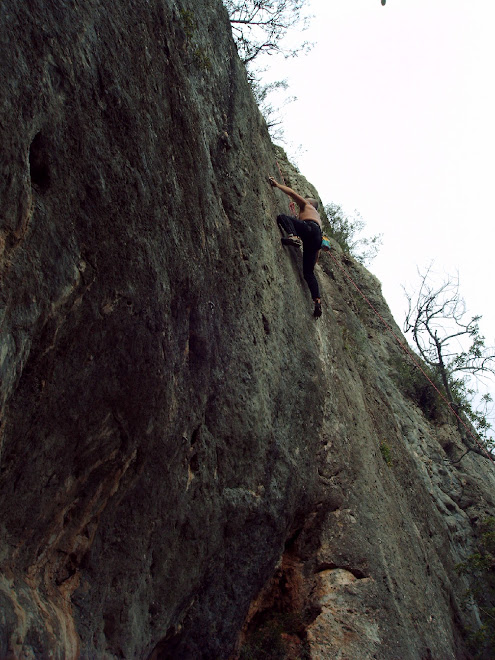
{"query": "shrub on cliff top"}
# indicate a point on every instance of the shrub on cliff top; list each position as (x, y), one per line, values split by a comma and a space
(345, 229)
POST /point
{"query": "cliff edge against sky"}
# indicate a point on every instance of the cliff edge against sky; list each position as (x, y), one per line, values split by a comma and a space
(189, 462)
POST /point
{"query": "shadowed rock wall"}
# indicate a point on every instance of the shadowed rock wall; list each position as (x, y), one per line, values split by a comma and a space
(186, 454)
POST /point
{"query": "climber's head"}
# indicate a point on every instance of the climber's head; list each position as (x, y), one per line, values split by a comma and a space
(313, 202)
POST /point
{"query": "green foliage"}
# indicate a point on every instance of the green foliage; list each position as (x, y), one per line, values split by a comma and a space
(415, 386)
(345, 229)
(201, 59)
(480, 568)
(464, 397)
(199, 56)
(188, 22)
(386, 453)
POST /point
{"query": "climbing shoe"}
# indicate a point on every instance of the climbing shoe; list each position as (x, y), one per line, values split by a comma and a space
(317, 312)
(295, 241)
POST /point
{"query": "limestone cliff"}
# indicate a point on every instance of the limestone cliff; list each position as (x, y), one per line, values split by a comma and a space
(187, 458)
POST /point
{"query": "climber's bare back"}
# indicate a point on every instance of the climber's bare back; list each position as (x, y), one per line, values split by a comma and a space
(308, 212)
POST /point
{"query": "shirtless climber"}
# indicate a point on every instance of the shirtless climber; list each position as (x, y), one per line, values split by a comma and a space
(306, 232)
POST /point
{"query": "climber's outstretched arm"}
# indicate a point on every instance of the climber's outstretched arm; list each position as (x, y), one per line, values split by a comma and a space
(300, 201)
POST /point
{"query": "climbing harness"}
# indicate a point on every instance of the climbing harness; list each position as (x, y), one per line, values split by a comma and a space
(326, 245)
(292, 206)
(412, 356)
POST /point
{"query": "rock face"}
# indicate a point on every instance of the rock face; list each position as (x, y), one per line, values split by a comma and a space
(189, 462)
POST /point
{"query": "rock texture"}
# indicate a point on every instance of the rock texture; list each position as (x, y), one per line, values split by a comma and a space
(190, 464)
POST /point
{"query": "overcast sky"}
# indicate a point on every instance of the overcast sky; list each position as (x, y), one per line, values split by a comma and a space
(395, 118)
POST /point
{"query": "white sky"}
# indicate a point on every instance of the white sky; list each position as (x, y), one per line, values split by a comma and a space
(396, 118)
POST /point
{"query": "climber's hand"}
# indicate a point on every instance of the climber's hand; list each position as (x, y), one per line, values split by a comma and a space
(272, 181)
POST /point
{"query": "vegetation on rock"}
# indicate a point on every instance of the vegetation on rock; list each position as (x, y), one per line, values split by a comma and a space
(259, 26)
(480, 568)
(346, 228)
(437, 319)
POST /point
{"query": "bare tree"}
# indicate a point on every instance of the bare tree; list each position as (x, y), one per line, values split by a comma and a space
(259, 26)
(437, 318)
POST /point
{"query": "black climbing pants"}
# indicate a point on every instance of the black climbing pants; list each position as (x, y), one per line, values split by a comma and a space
(310, 234)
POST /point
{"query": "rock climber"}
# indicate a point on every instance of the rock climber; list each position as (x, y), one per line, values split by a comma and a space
(305, 231)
